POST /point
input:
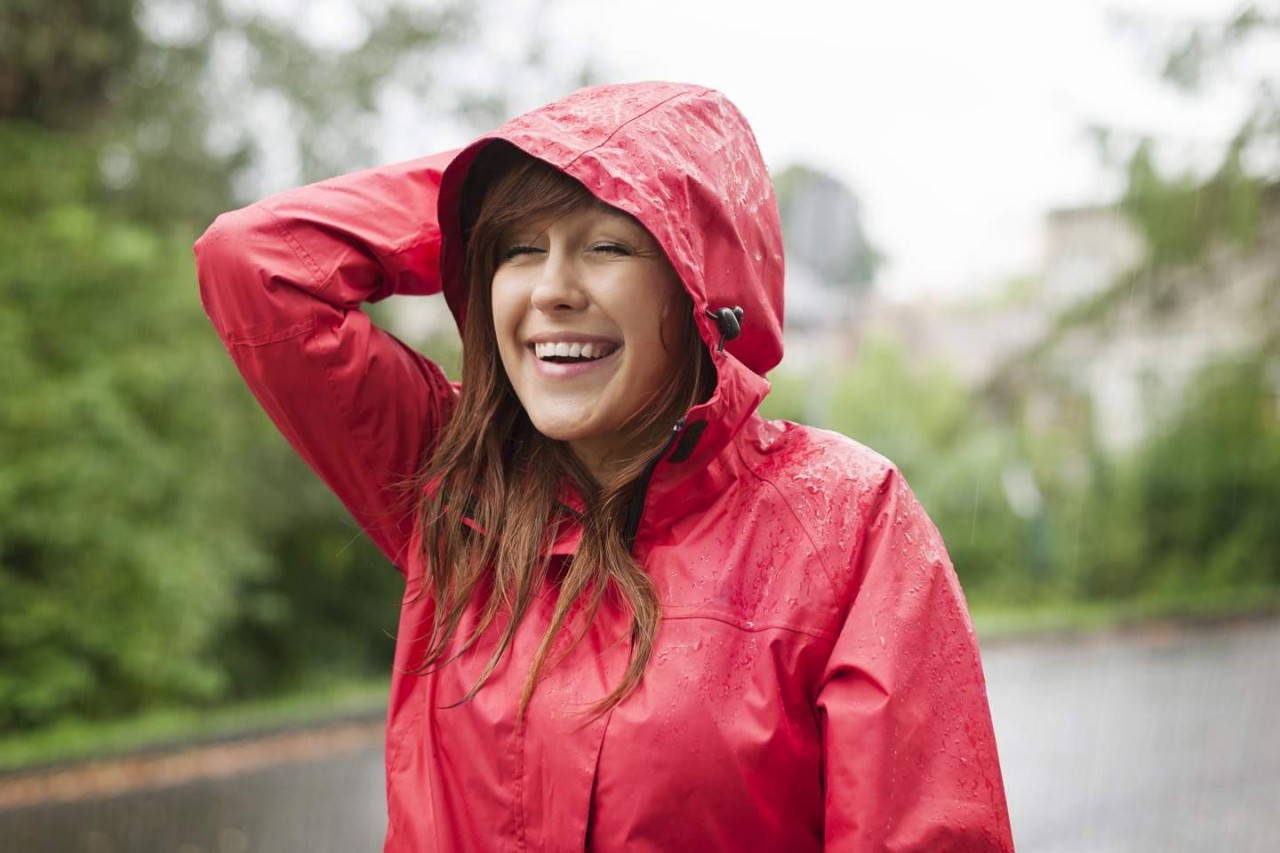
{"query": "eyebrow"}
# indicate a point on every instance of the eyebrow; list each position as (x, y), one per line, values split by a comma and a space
(592, 203)
(605, 207)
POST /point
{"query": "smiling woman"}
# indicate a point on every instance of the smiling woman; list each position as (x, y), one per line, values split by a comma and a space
(590, 320)
(637, 614)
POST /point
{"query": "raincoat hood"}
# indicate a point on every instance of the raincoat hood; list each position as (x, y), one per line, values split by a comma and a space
(683, 161)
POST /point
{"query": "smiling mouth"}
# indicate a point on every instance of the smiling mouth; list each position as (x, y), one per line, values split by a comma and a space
(565, 352)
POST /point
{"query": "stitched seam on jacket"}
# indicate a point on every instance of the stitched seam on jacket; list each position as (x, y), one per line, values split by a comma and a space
(418, 243)
(754, 628)
(835, 590)
(298, 328)
(629, 121)
(411, 729)
(517, 782)
(319, 280)
(595, 778)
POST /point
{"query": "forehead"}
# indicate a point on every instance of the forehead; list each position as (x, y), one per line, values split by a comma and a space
(587, 209)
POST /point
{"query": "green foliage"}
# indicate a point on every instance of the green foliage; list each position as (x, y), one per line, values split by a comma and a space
(1195, 512)
(173, 93)
(159, 542)
(1195, 508)
(124, 537)
(329, 605)
(1194, 54)
(196, 109)
(1181, 217)
(56, 69)
(1210, 481)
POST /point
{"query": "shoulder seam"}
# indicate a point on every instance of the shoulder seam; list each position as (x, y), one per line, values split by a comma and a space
(319, 279)
(835, 591)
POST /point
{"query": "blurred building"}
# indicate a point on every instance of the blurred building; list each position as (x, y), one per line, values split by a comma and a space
(830, 267)
(1126, 338)
(971, 339)
(1097, 341)
(819, 325)
(1085, 250)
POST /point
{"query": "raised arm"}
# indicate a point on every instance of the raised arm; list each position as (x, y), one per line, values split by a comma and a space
(909, 752)
(282, 281)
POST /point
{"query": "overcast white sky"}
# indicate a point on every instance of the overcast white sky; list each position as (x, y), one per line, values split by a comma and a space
(958, 124)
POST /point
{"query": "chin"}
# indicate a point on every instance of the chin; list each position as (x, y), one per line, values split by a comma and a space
(563, 429)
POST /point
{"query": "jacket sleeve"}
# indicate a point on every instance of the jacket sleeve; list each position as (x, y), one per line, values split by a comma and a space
(910, 758)
(282, 282)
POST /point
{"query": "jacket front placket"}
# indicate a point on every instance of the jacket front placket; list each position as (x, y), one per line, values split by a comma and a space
(556, 746)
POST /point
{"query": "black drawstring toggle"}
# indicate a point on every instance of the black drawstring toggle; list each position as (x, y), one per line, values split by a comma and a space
(729, 321)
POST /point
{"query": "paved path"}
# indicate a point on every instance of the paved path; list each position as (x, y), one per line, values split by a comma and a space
(333, 804)
(1164, 741)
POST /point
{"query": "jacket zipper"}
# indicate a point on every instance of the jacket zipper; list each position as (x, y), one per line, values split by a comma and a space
(636, 510)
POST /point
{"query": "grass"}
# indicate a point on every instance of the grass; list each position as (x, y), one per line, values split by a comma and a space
(1003, 623)
(74, 741)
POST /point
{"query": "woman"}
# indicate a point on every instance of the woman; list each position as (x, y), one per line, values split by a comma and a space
(638, 616)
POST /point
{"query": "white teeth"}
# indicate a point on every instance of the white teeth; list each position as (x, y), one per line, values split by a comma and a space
(562, 349)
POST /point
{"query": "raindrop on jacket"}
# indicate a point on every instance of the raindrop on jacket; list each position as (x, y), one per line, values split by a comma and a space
(815, 682)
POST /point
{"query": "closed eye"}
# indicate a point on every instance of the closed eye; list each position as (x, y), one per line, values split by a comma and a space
(611, 249)
(512, 252)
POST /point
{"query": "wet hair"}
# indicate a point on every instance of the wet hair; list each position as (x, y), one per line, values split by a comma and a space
(492, 470)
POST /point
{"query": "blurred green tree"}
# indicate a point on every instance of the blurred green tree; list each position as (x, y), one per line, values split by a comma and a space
(158, 541)
(57, 69)
(1210, 482)
(1182, 215)
(124, 535)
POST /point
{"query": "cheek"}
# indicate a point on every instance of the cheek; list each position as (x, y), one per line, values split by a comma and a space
(506, 319)
(504, 310)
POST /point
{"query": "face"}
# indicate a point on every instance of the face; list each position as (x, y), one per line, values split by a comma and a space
(586, 311)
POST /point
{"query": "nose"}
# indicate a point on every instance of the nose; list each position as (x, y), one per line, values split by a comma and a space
(559, 286)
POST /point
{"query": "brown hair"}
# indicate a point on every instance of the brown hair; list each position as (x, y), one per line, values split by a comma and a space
(493, 471)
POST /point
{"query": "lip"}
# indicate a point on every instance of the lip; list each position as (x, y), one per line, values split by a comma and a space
(568, 338)
(572, 370)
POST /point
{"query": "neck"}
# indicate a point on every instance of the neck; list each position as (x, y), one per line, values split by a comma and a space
(600, 457)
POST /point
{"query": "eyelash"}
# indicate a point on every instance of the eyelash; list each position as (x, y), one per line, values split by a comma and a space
(513, 252)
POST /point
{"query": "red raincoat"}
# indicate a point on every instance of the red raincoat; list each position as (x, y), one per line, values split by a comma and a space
(815, 682)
